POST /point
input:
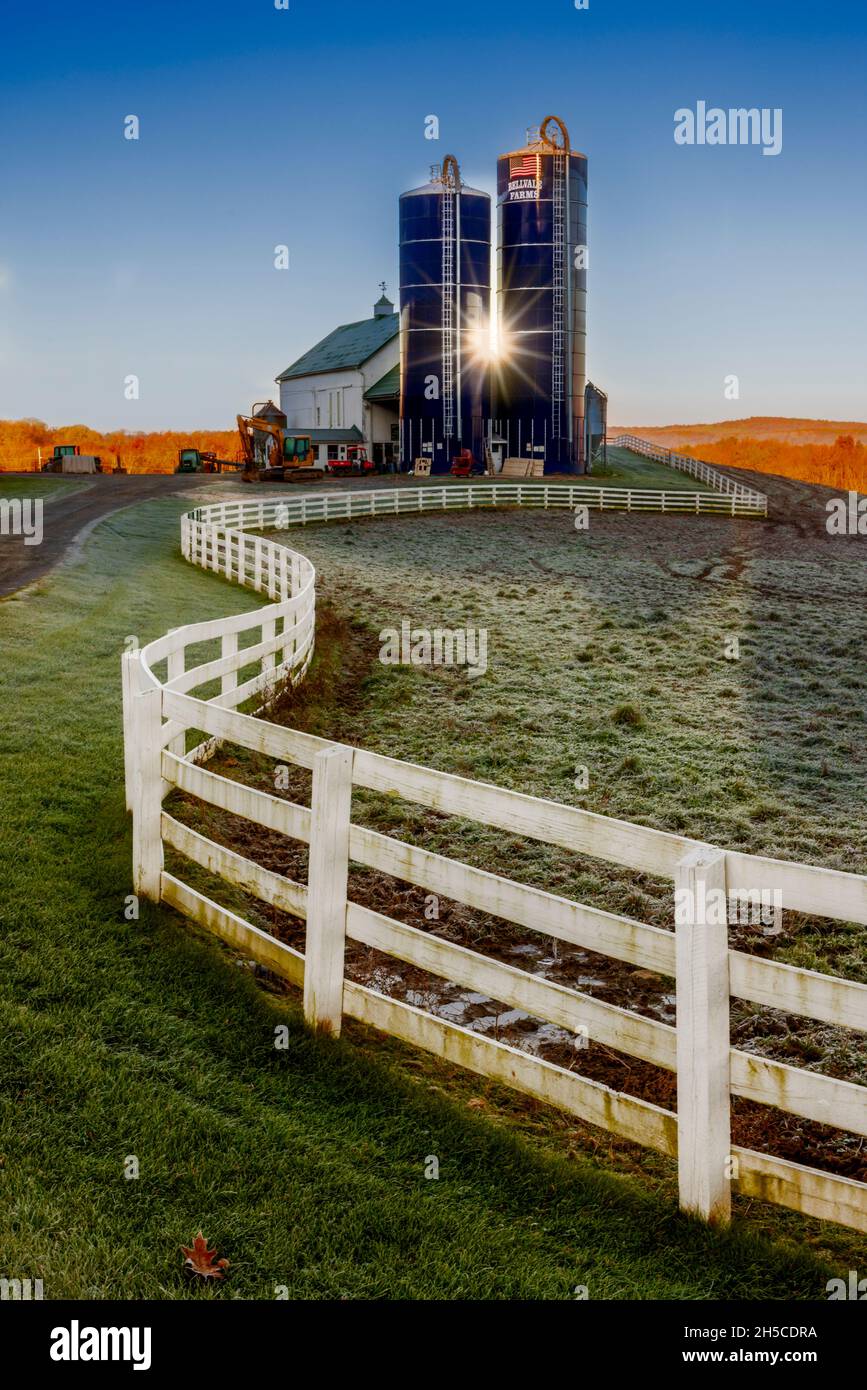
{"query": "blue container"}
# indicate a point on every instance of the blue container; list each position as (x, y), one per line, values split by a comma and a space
(542, 301)
(445, 304)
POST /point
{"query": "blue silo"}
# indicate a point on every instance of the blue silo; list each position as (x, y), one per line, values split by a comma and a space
(445, 304)
(542, 299)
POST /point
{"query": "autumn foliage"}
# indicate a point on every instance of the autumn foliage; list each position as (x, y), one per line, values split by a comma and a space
(157, 452)
(841, 465)
(199, 1259)
(771, 446)
(832, 453)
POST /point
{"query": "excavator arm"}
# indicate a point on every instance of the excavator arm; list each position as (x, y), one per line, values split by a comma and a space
(269, 455)
(261, 443)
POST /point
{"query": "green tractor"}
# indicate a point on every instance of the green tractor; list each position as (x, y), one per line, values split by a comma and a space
(197, 461)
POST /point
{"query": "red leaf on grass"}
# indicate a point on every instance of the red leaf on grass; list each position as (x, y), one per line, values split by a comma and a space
(200, 1260)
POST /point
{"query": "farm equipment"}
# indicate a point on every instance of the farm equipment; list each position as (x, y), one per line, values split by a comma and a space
(68, 458)
(464, 465)
(356, 461)
(271, 455)
(201, 461)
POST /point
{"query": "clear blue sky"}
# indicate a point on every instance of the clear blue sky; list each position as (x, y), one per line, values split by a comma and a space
(262, 126)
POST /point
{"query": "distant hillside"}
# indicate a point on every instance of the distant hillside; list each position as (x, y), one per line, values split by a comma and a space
(830, 452)
(780, 427)
(154, 452)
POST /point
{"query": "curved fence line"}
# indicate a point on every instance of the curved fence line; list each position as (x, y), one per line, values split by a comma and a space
(192, 680)
(336, 506)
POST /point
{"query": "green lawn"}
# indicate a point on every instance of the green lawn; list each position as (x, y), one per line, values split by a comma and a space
(47, 486)
(305, 1166)
(626, 469)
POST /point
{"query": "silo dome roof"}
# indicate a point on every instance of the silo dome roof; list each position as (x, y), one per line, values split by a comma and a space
(436, 186)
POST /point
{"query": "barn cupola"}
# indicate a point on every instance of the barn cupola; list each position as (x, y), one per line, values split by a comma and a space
(383, 307)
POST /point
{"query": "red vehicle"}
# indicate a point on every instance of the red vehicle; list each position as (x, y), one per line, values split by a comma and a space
(356, 461)
(464, 465)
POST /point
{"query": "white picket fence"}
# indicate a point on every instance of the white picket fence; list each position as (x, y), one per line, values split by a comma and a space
(696, 468)
(168, 693)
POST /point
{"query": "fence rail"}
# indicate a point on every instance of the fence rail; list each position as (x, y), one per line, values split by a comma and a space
(191, 681)
(337, 506)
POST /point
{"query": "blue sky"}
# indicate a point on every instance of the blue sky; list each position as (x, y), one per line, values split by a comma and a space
(262, 126)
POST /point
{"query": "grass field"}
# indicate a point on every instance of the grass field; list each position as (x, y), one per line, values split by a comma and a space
(306, 1165)
(625, 469)
(49, 488)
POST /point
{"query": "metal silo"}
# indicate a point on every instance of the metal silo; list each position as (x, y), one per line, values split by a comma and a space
(445, 302)
(542, 298)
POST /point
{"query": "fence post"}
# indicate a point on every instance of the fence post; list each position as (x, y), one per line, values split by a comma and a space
(269, 660)
(272, 571)
(147, 783)
(127, 692)
(326, 888)
(175, 665)
(228, 647)
(703, 1045)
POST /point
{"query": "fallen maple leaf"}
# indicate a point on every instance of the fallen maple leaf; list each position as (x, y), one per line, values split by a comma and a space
(200, 1260)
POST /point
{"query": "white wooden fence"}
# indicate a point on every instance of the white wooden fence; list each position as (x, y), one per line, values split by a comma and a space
(696, 468)
(459, 496)
(161, 708)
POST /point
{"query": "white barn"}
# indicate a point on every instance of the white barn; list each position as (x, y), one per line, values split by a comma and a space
(346, 389)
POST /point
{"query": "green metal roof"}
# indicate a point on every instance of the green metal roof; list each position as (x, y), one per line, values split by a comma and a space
(351, 435)
(387, 388)
(347, 346)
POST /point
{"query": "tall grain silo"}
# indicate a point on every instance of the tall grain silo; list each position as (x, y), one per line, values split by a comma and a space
(445, 304)
(542, 299)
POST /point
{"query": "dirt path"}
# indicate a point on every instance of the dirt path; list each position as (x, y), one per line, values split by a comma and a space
(66, 520)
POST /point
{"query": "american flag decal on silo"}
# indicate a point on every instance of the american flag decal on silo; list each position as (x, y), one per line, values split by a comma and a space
(524, 166)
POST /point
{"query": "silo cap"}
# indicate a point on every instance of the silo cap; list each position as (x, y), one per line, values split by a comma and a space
(437, 187)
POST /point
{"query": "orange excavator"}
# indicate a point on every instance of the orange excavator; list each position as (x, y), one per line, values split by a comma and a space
(273, 456)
